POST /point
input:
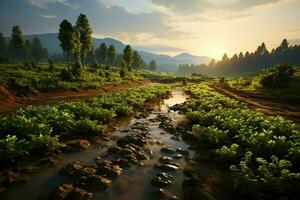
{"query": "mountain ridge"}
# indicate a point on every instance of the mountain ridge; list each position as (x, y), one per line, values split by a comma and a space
(164, 62)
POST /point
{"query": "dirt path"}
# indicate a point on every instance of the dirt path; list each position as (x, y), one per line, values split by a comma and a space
(9, 102)
(266, 105)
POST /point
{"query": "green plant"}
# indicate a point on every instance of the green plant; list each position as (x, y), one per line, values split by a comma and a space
(51, 65)
(65, 75)
(11, 149)
(266, 147)
(43, 144)
(87, 128)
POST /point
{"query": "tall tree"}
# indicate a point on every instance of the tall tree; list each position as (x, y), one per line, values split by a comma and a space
(152, 65)
(67, 37)
(225, 58)
(128, 56)
(212, 63)
(112, 53)
(137, 60)
(102, 53)
(28, 49)
(3, 47)
(36, 49)
(16, 43)
(85, 30)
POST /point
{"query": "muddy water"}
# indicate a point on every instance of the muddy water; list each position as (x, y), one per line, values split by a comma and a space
(133, 183)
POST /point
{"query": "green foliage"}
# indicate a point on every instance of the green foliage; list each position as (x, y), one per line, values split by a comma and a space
(10, 149)
(122, 72)
(66, 75)
(16, 43)
(266, 147)
(249, 62)
(43, 144)
(112, 53)
(35, 128)
(87, 128)
(211, 135)
(69, 39)
(3, 48)
(152, 65)
(102, 53)
(128, 56)
(279, 76)
(51, 65)
(85, 32)
(228, 154)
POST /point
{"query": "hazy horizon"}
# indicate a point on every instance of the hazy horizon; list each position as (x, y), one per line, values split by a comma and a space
(200, 27)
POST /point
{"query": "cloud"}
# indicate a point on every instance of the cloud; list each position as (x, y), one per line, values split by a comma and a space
(196, 6)
(47, 16)
(38, 16)
(44, 3)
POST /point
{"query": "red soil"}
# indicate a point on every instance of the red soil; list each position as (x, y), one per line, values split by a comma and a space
(9, 102)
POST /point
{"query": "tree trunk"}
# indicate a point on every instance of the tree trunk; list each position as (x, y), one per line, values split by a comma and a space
(68, 55)
(83, 59)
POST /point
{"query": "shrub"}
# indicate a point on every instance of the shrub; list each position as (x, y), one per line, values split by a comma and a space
(43, 144)
(279, 76)
(211, 135)
(122, 72)
(11, 149)
(87, 128)
(228, 154)
(51, 65)
(33, 65)
(27, 65)
(102, 115)
(65, 75)
(23, 126)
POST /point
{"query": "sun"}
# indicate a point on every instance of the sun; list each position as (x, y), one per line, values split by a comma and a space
(216, 52)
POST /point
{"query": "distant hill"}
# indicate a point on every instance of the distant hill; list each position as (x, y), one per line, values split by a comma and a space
(164, 62)
(191, 59)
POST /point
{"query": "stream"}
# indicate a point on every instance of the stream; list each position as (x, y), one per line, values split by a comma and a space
(135, 182)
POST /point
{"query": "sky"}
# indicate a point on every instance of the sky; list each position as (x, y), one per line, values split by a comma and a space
(201, 27)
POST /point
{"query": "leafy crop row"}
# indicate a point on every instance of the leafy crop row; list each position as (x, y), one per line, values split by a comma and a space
(264, 151)
(27, 129)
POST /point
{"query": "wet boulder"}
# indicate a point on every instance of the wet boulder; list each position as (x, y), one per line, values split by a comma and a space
(162, 179)
(76, 145)
(51, 161)
(68, 191)
(164, 194)
(78, 169)
(123, 163)
(178, 156)
(114, 150)
(166, 160)
(130, 139)
(150, 153)
(141, 156)
(93, 182)
(125, 152)
(108, 169)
